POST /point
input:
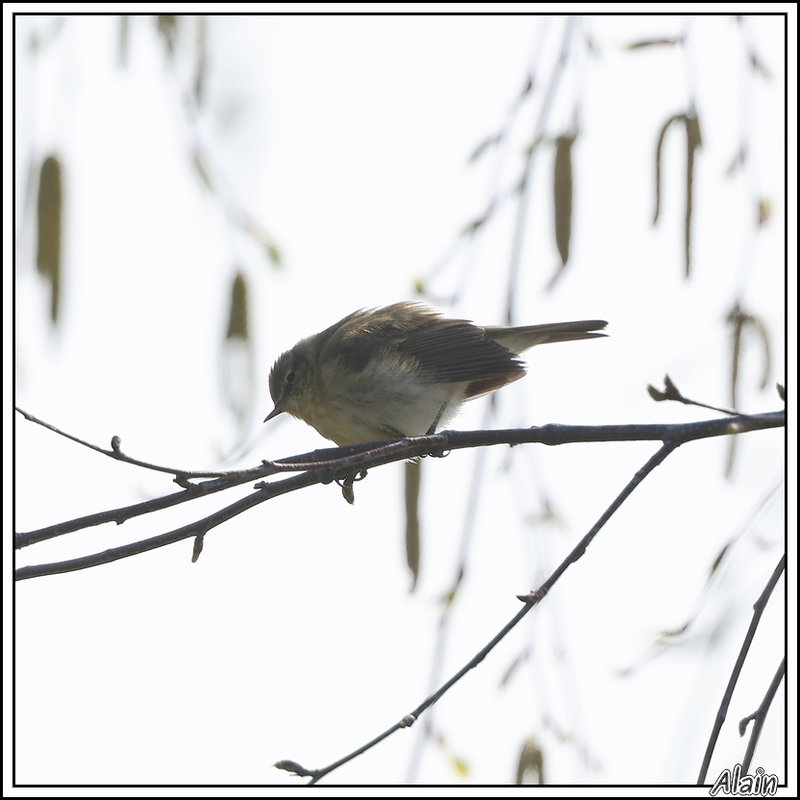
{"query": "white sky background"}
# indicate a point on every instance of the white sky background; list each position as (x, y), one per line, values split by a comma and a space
(294, 635)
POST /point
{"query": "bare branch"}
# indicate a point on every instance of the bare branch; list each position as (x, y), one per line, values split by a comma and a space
(181, 475)
(193, 529)
(671, 392)
(760, 715)
(758, 610)
(531, 599)
(120, 515)
(341, 464)
(521, 222)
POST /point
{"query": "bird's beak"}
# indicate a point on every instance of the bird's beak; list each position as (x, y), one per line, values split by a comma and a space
(275, 411)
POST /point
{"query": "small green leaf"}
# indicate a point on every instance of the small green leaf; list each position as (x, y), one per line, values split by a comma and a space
(530, 766)
(694, 141)
(562, 195)
(49, 219)
(461, 766)
(764, 211)
(274, 253)
(641, 44)
(659, 155)
(238, 327)
(167, 25)
(413, 476)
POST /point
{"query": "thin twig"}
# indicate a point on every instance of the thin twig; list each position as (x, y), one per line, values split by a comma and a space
(760, 716)
(671, 392)
(117, 454)
(522, 221)
(666, 637)
(500, 141)
(193, 529)
(443, 627)
(758, 610)
(531, 599)
(376, 454)
(120, 515)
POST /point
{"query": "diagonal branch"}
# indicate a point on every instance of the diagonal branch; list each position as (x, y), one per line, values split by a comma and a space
(760, 715)
(530, 600)
(758, 610)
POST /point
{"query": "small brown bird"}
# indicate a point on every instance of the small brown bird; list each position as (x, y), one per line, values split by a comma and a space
(402, 370)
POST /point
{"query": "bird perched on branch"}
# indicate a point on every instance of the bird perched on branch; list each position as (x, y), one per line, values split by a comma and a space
(402, 370)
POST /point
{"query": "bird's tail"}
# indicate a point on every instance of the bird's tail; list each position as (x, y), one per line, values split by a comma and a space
(517, 340)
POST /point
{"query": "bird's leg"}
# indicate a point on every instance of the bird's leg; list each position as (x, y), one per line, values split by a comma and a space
(435, 422)
(432, 430)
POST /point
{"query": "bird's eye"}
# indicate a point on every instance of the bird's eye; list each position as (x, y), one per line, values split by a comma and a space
(291, 376)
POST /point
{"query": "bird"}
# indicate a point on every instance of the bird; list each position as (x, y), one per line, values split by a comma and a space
(402, 370)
